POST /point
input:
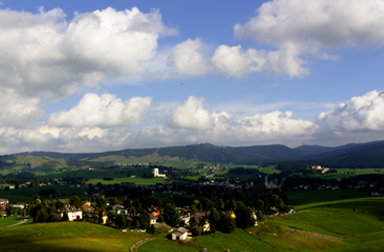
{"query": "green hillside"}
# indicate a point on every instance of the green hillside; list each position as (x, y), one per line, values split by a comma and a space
(337, 225)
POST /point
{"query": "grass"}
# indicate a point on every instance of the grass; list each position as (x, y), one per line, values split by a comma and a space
(342, 225)
(138, 181)
(67, 236)
(240, 240)
(25, 194)
(165, 245)
(5, 222)
(305, 197)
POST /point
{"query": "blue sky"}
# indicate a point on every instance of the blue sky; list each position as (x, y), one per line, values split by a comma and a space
(82, 76)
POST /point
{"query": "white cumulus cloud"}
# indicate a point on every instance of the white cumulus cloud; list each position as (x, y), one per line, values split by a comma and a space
(17, 111)
(360, 113)
(45, 53)
(102, 111)
(300, 28)
(191, 114)
(232, 61)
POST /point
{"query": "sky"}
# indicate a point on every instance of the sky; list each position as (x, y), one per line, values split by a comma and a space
(93, 76)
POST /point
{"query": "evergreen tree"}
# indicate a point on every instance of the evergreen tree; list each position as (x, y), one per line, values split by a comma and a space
(244, 216)
(75, 201)
(121, 221)
(215, 217)
(227, 224)
(172, 217)
(144, 220)
(65, 216)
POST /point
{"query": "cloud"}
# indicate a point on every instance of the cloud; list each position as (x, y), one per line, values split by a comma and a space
(232, 61)
(222, 126)
(100, 123)
(187, 59)
(191, 115)
(327, 23)
(17, 111)
(43, 53)
(300, 28)
(102, 111)
(362, 113)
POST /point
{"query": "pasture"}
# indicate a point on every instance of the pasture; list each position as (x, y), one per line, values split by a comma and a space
(5, 222)
(67, 236)
(25, 194)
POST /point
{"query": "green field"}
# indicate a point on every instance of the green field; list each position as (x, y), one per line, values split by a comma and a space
(339, 223)
(25, 194)
(5, 222)
(166, 245)
(67, 236)
(304, 197)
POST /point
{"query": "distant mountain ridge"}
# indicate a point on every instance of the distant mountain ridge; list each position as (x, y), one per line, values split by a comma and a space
(371, 153)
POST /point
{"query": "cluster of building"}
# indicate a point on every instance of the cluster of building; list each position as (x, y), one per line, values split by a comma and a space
(215, 167)
(320, 168)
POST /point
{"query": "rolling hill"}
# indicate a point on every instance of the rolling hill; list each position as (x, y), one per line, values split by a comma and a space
(365, 155)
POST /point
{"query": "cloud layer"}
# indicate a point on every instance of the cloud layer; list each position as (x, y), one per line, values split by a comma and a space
(105, 122)
(363, 113)
(300, 31)
(102, 111)
(42, 53)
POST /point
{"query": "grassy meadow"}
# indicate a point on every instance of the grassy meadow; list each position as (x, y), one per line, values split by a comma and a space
(5, 222)
(67, 236)
(25, 194)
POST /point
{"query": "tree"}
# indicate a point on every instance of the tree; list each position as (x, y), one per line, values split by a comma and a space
(10, 210)
(259, 204)
(144, 220)
(172, 217)
(75, 201)
(151, 229)
(227, 224)
(115, 201)
(138, 206)
(121, 221)
(19, 211)
(137, 224)
(215, 216)
(40, 213)
(230, 205)
(65, 216)
(101, 202)
(260, 215)
(193, 209)
(112, 215)
(195, 231)
(244, 216)
(59, 204)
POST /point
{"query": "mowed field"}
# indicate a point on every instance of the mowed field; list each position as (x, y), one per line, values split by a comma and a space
(67, 236)
(5, 222)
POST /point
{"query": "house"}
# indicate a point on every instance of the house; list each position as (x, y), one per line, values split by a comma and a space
(87, 207)
(156, 174)
(179, 233)
(20, 205)
(200, 221)
(95, 216)
(152, 219)
(73, 213)
(119, 209)
(4, 202)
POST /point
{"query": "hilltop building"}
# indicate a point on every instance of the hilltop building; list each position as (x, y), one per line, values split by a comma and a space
(156, 173)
